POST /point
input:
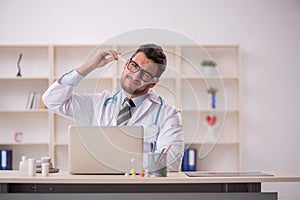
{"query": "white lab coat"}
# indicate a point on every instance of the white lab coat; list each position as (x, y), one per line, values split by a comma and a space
(94, 109)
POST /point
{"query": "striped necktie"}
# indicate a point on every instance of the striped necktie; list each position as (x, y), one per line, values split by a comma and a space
(125, 114)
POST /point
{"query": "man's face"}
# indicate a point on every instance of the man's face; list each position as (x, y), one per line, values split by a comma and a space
(131, 82)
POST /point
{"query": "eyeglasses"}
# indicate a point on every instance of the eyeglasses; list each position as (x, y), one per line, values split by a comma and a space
(144, 75)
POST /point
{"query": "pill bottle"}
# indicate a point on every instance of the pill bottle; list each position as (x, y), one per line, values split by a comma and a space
(31, 167)
(45, 169)
(23, 166)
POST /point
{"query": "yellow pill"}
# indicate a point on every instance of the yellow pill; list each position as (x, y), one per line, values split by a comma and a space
(133, 171)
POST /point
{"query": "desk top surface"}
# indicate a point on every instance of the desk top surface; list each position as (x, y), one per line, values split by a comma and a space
(173, 178)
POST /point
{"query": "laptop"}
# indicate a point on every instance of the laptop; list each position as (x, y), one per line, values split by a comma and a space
(105, 150)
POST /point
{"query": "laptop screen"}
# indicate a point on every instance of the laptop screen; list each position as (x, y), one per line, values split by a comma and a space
(105, 150)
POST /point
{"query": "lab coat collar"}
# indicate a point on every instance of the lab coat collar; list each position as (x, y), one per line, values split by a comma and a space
(152, 98)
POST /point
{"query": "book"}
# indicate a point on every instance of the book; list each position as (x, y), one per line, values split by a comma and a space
(6, 159)
(30, 99)
(34, 101)
(189, 160)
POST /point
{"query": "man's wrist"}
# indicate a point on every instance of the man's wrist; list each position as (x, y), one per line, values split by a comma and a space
(85, 69)
(71, 78)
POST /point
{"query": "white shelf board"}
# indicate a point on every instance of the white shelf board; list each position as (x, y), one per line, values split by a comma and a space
(25, 144)
(23, 78)
(211, 143)
(210, 111)
(24, 111)
(60, 144)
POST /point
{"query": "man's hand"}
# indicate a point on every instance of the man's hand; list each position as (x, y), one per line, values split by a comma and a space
(98, 61)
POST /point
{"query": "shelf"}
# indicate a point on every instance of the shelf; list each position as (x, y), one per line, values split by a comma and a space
(211, 143)
(209, 78)
(23, 78)
(200, 127)
(34, 62)
(34, 127)
(230, 46)
(195, 96)
(24, 111)
(25, 144)
(210, 111)
(61, 144)
(219, 158)
(31, 150)
(226, 58)
(22, 87)
(184, 84)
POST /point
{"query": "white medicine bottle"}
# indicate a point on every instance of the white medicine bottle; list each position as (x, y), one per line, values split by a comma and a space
(23, 166)
(31, 166)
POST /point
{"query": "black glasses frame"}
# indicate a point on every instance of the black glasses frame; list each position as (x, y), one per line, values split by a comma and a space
(138, 68)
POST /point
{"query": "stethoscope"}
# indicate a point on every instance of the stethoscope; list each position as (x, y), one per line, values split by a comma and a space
(114, 99)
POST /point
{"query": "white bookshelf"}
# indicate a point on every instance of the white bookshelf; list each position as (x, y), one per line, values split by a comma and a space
(184, 84)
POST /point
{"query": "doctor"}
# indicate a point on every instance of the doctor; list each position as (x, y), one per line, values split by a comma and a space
(136, 104)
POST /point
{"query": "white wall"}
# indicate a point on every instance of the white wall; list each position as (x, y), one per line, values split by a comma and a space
(267, 30)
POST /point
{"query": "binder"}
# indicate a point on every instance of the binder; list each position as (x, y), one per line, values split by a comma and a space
(5, 159)
(189, 160)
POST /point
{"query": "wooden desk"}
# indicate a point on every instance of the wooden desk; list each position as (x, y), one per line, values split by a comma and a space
(176, 185)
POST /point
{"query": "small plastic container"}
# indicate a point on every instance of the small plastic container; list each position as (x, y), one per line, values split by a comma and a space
(31, 167)
(23, 166)
(45, 169)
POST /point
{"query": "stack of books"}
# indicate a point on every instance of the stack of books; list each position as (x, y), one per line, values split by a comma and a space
(34, 101)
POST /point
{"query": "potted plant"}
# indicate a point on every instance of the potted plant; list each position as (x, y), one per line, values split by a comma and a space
(208, 66)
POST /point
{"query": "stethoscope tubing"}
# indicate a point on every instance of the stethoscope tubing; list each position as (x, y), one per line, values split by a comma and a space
(114, 99)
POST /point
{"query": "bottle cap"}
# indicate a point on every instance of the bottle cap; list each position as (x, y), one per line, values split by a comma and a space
(45, 159)
(31, 160)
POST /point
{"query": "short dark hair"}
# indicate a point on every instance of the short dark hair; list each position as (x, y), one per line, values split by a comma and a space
(155, 53)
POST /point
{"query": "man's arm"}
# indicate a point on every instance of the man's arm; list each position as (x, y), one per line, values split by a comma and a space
(60, 99)
(171, 133)
(59, 96)
(98, 61)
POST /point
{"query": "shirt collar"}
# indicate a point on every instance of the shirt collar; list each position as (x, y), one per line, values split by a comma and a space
(137, 100)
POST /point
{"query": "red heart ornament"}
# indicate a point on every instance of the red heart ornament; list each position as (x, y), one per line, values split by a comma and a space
(211, 120)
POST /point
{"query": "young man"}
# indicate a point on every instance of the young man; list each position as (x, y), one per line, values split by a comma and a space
(136, 104)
